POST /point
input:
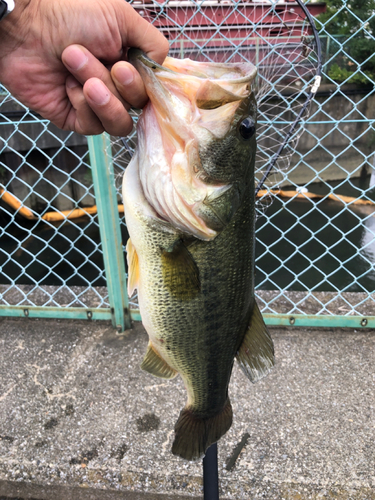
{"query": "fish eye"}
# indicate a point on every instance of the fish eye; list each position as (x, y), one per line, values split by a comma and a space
(247, 128)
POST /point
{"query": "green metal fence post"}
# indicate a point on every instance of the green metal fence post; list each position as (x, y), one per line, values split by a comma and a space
(109, 224)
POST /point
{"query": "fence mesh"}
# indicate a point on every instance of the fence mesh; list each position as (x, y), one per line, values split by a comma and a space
(45, 258)
(315, 241)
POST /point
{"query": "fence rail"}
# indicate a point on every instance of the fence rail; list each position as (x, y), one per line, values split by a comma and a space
(62, 230)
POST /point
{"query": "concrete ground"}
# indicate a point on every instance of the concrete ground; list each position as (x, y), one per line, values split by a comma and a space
(80, 420)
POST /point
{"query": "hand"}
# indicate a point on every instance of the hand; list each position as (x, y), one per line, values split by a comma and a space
(36, 39)
(100, 99)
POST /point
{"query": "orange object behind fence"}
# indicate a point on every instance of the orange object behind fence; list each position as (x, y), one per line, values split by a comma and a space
(57, 216)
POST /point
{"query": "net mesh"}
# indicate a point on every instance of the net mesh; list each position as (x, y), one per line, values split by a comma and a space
(275, 36)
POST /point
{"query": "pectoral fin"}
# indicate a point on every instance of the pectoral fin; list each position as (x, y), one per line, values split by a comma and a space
(180, 272)
(218, 208)
(133, 267)
(256, 354)
(154, 364)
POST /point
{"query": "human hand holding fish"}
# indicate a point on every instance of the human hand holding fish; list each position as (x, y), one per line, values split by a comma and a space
(54, 57)
(190, 211)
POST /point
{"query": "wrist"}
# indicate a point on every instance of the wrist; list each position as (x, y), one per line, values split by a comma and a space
(6, 6)
(12, 26)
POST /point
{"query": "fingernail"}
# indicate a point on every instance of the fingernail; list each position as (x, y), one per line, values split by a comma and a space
(75, 58)
(124, 75)
(99, 93)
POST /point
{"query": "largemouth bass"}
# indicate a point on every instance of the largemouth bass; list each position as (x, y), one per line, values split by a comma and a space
(189, 207)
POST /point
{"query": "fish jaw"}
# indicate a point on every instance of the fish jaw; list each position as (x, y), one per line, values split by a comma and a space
(191, 104)
(158, 179)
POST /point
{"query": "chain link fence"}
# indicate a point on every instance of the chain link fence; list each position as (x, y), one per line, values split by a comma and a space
(315, 242)
(45, 174)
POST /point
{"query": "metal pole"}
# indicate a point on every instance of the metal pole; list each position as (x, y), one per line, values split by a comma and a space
(109, 225)
(210, 474)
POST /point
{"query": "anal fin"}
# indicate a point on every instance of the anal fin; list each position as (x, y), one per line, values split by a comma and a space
(133, 267)
(154, 364)
(256, 355)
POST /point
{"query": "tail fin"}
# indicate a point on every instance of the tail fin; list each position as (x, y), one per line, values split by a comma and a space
(193, 435)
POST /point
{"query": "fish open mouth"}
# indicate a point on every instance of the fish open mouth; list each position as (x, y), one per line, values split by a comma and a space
(191, 103)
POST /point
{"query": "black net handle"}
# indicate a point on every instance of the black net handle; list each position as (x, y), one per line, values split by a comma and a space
(310, 96)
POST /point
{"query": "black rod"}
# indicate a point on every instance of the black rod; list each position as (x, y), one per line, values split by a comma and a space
(210, 474)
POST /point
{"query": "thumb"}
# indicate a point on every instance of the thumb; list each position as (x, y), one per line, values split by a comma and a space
(138, 33)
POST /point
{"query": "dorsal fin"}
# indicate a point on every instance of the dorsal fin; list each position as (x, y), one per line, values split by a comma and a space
(256, 355)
